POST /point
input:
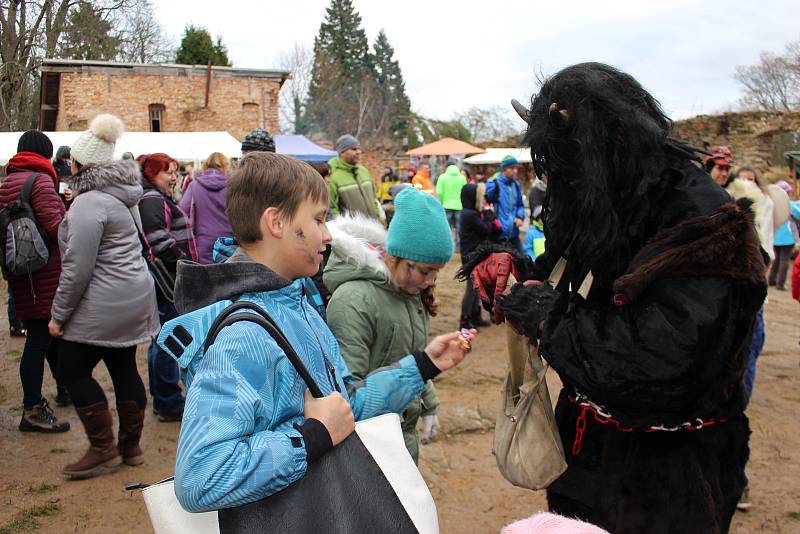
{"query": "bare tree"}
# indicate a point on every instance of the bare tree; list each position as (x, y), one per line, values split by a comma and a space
(773, 83)
(298, 60)
(143, 38)
(489, 124)
(365, 93)
(29, 31)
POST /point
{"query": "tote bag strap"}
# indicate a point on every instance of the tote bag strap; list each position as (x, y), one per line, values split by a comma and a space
(558, 273)
(263, 319)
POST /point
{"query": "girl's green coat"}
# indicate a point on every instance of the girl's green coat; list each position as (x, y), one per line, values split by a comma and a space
(375, 323)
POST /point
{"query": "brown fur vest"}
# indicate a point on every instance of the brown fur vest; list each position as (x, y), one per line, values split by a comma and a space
(723, 244)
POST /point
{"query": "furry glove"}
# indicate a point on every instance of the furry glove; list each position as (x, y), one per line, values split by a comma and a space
(526, 306)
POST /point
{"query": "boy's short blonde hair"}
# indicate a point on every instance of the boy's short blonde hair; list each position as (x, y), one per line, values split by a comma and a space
(266, 180)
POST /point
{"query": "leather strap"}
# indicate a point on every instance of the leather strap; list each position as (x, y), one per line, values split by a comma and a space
(558, 273)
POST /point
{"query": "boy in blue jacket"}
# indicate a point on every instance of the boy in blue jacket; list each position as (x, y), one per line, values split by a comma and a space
(250, 428)
(505, 193)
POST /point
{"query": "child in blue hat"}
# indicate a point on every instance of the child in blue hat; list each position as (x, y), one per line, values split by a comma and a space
(382, 284)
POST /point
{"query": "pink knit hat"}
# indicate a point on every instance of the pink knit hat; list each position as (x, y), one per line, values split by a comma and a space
(546, 523)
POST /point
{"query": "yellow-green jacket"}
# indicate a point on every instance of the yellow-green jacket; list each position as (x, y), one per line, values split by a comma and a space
(351, 190)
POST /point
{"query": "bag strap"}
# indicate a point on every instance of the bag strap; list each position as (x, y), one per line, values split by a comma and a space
(495, 192)
(27, 189)
(558, 273)
(138, 225)
(263, 319)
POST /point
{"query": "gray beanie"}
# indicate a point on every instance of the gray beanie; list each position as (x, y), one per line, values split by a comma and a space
(346, 142)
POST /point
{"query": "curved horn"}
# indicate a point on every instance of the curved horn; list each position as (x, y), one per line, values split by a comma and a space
(521, 110)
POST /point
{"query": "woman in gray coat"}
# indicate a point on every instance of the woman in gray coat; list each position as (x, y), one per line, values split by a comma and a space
(104, 307)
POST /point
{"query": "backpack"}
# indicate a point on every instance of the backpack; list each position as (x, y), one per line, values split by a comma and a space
(23, 245)
(494, 198)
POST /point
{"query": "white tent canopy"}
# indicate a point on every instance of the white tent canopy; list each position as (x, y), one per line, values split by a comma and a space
(493, 156)
(183, 146)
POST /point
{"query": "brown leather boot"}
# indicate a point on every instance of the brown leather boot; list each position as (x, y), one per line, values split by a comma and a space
(102, 457)
(131, 422)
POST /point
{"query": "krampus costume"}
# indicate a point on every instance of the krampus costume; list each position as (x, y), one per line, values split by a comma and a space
(651, 413)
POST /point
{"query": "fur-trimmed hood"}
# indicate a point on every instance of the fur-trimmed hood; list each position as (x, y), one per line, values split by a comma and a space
(121, 179)
(357, 251)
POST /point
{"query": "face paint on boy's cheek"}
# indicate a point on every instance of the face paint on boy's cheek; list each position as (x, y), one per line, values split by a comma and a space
(311, 256)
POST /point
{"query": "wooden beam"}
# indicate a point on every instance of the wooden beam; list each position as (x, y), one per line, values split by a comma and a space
(208, 81)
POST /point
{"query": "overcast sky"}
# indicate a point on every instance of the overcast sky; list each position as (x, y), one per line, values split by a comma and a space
(459, 54)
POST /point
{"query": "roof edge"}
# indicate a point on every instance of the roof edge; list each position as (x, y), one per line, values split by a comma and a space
(54, 65)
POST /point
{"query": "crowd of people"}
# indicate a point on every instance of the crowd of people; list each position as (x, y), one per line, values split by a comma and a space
(655, 335)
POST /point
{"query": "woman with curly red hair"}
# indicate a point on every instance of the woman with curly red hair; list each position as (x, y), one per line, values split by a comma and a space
(169, 237)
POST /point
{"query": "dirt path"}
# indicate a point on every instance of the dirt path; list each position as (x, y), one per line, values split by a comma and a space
(470, 493)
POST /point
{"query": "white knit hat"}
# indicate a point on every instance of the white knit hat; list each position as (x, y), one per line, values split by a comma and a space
(98, 142)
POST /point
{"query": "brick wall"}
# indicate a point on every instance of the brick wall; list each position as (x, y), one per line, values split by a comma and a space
(236, 104)
(375, 159)
(756, 137)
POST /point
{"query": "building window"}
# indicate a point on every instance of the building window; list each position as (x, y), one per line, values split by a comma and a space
(156, 117)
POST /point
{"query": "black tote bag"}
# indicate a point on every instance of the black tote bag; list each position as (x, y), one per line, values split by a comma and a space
(356, 487)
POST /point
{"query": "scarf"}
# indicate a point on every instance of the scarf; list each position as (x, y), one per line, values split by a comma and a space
(31, 161)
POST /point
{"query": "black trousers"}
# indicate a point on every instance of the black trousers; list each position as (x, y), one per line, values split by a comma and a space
(76, 361)
(780, 266)
(39, 346)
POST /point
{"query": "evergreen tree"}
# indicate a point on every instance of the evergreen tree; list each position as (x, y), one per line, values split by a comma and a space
(342, 38)
(342, 77)
(197, 48)
(88, 35)
(393, 100)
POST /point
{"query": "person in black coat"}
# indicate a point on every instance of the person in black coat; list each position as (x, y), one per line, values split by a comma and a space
(478, 225)
(651, 410)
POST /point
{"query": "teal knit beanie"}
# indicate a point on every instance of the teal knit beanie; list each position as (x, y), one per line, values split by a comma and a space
(419, 229)
(508, 161)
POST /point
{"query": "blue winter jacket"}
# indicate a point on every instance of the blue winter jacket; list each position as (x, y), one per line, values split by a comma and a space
(534, 241)
(497, 192)
(786, 234)
(237, 441)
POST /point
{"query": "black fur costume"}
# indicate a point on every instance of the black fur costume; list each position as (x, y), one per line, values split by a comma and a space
(664, 335)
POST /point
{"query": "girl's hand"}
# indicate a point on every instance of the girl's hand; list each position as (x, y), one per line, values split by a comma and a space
(448, 350)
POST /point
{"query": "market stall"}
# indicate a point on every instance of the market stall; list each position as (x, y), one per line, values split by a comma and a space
(302, 148)
(183, 146)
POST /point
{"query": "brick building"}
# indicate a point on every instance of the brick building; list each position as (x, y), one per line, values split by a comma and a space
(159, 97)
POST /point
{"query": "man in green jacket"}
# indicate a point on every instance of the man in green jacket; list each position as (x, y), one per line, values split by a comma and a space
(350, 185)
(448, 189)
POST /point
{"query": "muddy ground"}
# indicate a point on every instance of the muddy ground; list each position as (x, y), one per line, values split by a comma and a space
(470, 493)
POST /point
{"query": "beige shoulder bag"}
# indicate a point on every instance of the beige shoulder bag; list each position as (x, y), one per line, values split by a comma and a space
(527, 445)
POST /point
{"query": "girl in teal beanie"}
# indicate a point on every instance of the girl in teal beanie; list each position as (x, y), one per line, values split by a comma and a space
(382, 285)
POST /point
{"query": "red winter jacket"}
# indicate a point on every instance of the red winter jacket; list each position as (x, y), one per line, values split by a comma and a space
(33, 298)
(796, 278)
